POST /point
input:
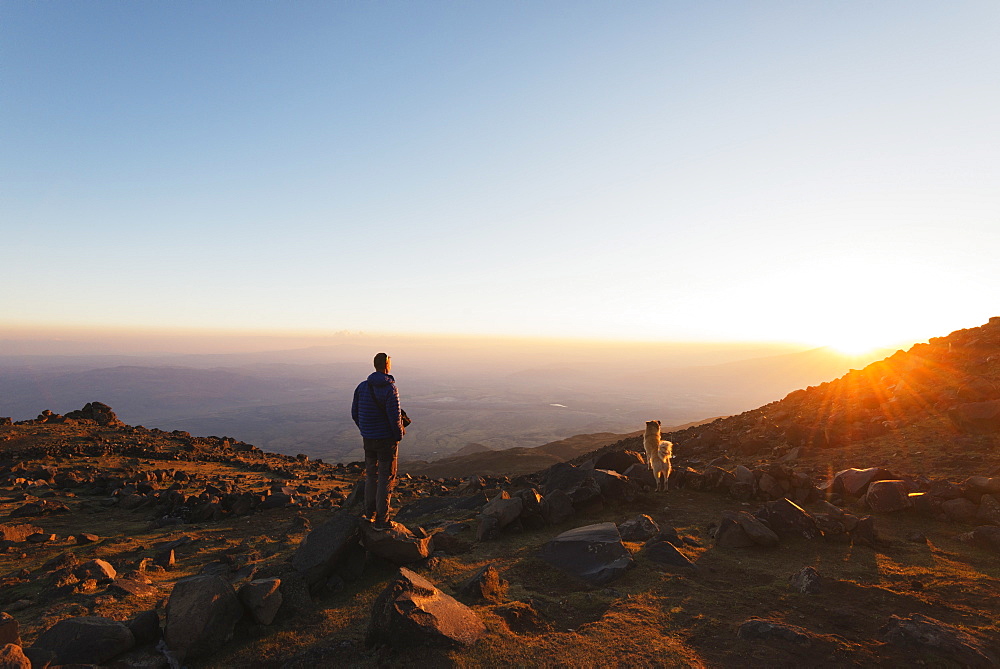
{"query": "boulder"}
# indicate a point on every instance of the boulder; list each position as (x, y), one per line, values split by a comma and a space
(854, 482)
(319, 552)
(615, 486)
(759, 533)
(593, 553)
(98, 412)
(86, 640)
(12, 657)
(959, 509)
(760, 628)
(563, 476)
(641, 475)
(557, 507)
(925, 632)
(9, 629)
(504, 508)
(807, 581)
(133, 587)
(619, 461)
(664, 553)
(98, 569)
(412, 612)
(864, 532)
(397, 543)
(982, 485)
(984, 536)
(989, 509)
(522, 618)
(485, 586)
(18, 532)
(638, 528)
(262, 599)
(201, 614)
(788, 519)
(145, 628)
(977, 417)
(729, 533)
(886, 496)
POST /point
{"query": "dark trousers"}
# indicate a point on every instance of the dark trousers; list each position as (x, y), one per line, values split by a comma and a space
(380, 476)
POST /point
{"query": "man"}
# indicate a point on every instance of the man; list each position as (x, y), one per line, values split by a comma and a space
(375, 411)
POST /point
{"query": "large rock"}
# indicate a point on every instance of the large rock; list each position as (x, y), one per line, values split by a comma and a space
(788, 519)
(641, 476)
(959, 509)
(761, 628)
(97, 411)
(18, 532)
(729, 533)
(922, 631)
(412, 612)
(855, 482)
(593, 553)
(262, 599)
(638, 528)
(485, 586)
(397, 543)
(504, 508)
(557, 507)
(86, 640)
(887, 496)
(319, 552)
(619, 461)
(664, 553)
(9, 629)
(984, 536)
(12, 657)
(977, 417)
(201, 614)
(759, 533)
(615, 486)
(989, 509)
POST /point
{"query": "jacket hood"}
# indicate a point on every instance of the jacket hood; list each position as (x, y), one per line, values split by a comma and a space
(380, 379)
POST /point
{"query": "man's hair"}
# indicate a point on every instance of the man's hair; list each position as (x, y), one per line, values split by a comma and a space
(380, 360)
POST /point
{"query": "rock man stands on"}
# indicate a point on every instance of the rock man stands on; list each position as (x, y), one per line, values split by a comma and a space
(376, 412)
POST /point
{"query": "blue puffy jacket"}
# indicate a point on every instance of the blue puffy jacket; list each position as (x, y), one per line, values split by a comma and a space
(374, 421)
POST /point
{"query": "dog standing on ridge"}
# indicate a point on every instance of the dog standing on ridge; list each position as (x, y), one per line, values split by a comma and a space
(658, 454)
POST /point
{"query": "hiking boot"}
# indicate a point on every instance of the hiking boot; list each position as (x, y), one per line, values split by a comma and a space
(383, 524)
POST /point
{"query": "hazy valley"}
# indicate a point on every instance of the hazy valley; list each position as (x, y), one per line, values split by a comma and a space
(298, 401)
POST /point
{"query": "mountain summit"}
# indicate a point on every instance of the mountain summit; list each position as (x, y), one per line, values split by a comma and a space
(856, 522)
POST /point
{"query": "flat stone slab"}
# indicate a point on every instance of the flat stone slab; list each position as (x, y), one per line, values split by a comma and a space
(593, 553)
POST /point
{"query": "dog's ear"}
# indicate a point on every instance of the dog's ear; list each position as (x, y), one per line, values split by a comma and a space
(658, 422)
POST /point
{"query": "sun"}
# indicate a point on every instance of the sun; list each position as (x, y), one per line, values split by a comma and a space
(853, 346)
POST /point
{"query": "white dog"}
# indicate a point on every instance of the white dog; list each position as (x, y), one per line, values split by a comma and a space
(658, 454)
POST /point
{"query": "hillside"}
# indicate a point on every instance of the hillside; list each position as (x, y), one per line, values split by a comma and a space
(166, 547)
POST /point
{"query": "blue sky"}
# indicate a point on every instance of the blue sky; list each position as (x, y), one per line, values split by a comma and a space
(817, 172)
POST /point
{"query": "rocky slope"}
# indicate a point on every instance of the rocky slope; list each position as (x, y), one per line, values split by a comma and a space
(852, 523)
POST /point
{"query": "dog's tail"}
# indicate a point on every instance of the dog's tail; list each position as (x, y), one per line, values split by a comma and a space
(666, 449)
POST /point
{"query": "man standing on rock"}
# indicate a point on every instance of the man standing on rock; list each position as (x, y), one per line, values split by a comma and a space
(377, 414)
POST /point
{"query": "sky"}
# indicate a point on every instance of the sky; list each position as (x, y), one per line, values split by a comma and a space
(811, 172)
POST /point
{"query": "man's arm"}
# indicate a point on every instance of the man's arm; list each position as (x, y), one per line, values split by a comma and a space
(354, 406)
(392, 411)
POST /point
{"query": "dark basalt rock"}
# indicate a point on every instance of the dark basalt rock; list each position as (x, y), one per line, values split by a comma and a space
(319, 552)
(412, 612)
(86, 640)
(760, 628)
(201, 614)
(593, 553)
(923, 631)
(788, 519)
